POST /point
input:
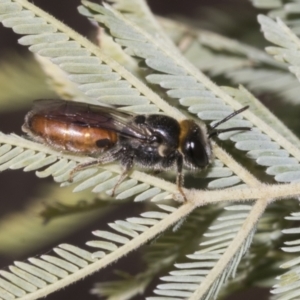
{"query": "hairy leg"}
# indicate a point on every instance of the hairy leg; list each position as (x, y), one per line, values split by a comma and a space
(179, 177)
(127, 163)
(108, 157)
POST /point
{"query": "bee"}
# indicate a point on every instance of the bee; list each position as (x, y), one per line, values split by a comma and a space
(154, 141)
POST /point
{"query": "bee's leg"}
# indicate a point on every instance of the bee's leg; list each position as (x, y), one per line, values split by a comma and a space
(106, 158)
(128, 164)
(179, 177)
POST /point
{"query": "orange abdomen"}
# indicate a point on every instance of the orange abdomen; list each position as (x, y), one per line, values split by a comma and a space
(68, 136)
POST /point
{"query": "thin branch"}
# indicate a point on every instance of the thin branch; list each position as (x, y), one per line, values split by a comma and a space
(272, 192)
(198, 197)
(248, 225)
(244, 231)
(135, 243)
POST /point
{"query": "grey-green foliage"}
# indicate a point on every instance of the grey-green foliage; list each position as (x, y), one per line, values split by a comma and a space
(287, 10)
(269, 145)
(234, 60)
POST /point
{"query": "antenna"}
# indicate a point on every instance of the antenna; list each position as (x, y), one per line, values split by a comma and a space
(214, 132)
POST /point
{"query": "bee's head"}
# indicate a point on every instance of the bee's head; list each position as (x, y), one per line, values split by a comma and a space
(194, 140)
(194, 145)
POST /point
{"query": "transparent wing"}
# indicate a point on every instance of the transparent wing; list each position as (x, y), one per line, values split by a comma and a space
(87, 115)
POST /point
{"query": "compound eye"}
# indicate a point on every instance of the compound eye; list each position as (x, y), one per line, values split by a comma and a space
(197, 154)
(194, 150)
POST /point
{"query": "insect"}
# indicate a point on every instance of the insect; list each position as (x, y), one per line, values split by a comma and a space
(154, 141)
